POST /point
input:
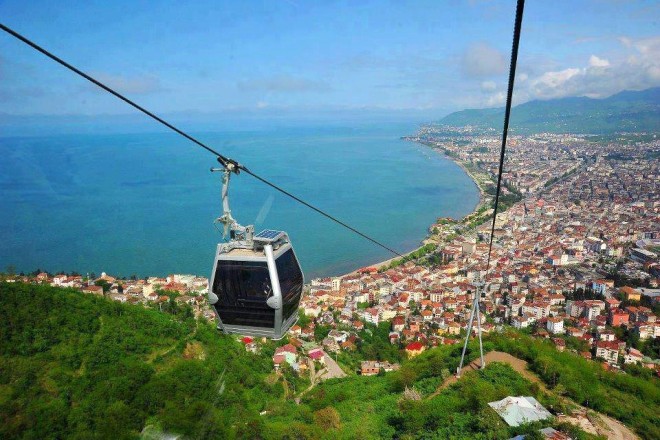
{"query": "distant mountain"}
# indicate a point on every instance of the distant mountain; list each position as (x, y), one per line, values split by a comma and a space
(628, 111)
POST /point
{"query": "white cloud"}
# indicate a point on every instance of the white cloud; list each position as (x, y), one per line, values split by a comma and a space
(654, 73)
(496, 100)
(488, 86)
(548, 83)
(483, 60)
(648, 46)
(594, 61)
(625, 41)
(638, 69)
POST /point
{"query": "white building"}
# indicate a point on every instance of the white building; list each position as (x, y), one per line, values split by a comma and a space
(555, 325)
(371, 315)
(520, 322)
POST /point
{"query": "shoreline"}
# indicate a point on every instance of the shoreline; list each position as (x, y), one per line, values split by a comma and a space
(482, 199)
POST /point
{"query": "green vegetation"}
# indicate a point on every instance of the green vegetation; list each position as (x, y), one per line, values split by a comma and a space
(373, 344)
(588, 384)
(621, 279)
(380, 406)
(414, 255)
(104, 284)
(559, 178)
(80, 366)
(182, 311)
(649, 347)
(506, 199)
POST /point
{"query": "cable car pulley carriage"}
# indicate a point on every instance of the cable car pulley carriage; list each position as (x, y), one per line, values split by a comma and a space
(257, 282)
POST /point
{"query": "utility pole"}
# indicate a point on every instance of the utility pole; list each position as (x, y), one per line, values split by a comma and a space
(474, 313)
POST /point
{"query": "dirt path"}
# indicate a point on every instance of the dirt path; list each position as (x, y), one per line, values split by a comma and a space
(331, 370)
(588, 420)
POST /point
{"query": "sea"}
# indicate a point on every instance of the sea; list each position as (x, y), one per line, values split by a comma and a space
(144, 203)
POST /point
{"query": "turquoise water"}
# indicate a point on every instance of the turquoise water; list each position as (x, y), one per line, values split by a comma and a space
(144, 203)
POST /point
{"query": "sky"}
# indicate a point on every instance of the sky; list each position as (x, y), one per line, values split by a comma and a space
(306, 57)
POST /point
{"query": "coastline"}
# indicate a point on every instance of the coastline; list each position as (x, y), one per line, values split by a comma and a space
(482, 193)
(482, 199)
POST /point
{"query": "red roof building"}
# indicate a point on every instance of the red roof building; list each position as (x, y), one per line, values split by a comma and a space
(414, 348)
(368, 270)
(398, 323)
(618, 317)
(316, 354)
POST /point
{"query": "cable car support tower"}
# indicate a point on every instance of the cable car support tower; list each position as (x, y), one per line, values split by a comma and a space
(475, 313)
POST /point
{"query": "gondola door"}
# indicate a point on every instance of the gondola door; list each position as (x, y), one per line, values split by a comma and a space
(242, 288)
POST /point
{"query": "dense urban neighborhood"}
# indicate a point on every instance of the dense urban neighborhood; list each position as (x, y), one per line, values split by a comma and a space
(575, 259)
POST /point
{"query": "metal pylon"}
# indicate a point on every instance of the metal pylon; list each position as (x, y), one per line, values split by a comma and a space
(475, 312)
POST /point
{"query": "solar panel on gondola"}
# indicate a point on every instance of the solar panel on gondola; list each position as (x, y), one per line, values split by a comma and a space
(268, 234)
(257, 282)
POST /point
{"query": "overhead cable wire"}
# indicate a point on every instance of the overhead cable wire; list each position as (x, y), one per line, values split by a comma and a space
(225, 161)
(106, 88)
(507, 112)
(475, 310)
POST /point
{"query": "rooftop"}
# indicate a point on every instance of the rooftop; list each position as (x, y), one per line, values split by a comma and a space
(518, 410)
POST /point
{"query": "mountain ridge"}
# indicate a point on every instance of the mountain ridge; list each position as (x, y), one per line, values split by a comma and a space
(626, 111)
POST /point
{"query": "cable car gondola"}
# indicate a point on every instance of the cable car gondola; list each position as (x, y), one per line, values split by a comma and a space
(257, 282)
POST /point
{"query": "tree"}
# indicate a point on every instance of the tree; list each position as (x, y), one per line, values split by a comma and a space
(327, 418)
(104, 284)
(321, 332)
(303, 320)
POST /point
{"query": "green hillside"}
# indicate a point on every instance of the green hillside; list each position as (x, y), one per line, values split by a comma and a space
(628, 111)
(79, 366)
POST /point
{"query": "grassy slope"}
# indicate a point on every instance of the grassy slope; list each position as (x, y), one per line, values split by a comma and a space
(78, 366)
(374, 407)
(633, 400)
